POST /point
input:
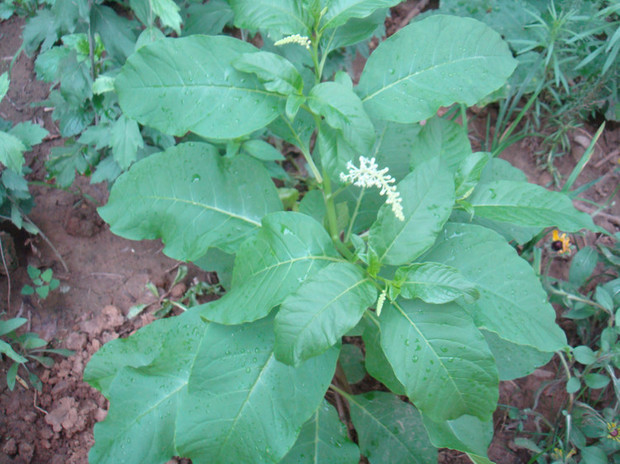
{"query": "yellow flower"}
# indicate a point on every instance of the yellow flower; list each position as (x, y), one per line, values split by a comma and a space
(561, 243)
(613, 433)
(559, 454)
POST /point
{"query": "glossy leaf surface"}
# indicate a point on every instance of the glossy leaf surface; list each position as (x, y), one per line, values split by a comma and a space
(325, 307)
(512, 301)
(323, 439)
(467, 434)
(277, 17)
(441, 358)
(377, 363)
(434, 283)
(340, 11)
(440, 138)
(435, 62)
(277, 73)
(191, 198)
(190, 84)
(343, 111)
(427, 198)
(289, 248)
(527, 205)
(390, 430)
(200, 392)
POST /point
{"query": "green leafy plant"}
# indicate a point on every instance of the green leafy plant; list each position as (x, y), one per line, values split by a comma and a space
(591, 300)
(22, 349)
(568, 68)
(401, 239)
(15, 198)
(44, 282)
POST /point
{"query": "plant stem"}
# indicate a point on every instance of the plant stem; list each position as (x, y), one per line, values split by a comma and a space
(354, 216)
(332, 220)
(340, 392)
(305, 152)
(342, 378)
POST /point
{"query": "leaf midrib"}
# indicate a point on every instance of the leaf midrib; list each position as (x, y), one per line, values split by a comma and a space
(427, 69)
(204, 206)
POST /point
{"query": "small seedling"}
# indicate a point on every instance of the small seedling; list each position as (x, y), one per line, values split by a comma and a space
(43, 282)
(22, 349)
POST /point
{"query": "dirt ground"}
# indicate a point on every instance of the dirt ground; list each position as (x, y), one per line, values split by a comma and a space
(106, 275)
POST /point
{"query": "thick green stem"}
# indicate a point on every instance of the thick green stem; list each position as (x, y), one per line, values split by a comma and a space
(332, 219)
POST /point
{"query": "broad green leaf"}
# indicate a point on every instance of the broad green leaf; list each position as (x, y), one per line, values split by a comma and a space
(261, 150)
(11, 152)
(275, 72)
(468, 173)
(190, 84)
(29, 133)
(288, 248)
(103, 84)
(440, 138)
(582, 266)
(125, 139)
(512, 302)
(323, 439)
(356, 30)
(390, 430)
(149, 35)
(434, 283)
(377, 364)
(435, 62)
(335, 151)
(200, 391)
(427, 198)
(277, 17)
(40, 30)
(343, 111)
(118, 34)
(207, 18)
(340, 11)
(394, 144)
(4, 84)
(191, 198)
(527, 205)
(499, 169)
(352, 361)
(48, 64)
(441, 358)
(514, 361)
(168, 13)
(467, 434)
(325, 307)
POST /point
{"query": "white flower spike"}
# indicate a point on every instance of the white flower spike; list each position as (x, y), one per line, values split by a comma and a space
(296, 38)
(368, 175)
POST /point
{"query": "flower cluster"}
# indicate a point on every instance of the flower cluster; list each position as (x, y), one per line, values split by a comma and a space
(296, 38)
(369, 175)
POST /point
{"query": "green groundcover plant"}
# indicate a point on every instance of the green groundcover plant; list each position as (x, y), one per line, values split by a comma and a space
(401, 239)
